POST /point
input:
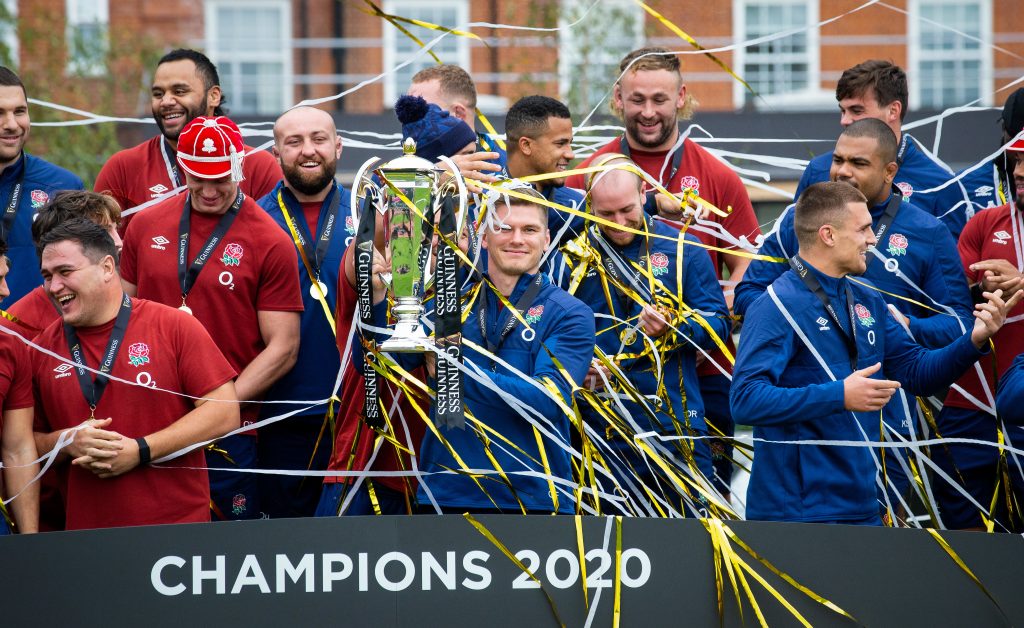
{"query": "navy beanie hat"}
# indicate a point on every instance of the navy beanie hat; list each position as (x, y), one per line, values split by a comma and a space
(1013, 113)
(435, 131)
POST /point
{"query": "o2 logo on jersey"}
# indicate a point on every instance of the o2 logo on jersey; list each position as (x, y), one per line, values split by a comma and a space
(692, 182)
(906, 189)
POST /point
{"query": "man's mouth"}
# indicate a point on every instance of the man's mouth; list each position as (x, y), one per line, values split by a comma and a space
(64, 300)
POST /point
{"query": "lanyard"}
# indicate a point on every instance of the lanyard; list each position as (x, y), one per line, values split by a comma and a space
(187, 275)
(12, 203)
(891, 209)
(513, 320)
(93, 390)
(901, 152)
(618, 269)
(812, 284)
(318, 290)
(676, 155)
(171, 163)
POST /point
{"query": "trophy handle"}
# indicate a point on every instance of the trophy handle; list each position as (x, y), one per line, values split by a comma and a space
(460, 217)
(360, 182)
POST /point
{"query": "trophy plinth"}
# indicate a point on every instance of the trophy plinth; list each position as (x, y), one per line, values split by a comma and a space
(408, 336)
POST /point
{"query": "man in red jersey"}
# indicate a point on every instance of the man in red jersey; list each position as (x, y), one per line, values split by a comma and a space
(650, 96)
(216, 254)
(17, 446)
(991, 253)
(160, 386)
(185, 86)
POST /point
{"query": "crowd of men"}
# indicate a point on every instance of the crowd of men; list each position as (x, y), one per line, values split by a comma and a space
(200, 336)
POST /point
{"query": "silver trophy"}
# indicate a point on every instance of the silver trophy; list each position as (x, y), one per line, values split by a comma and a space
(401, 182)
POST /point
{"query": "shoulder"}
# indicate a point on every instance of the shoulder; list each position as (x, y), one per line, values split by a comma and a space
(166, 212)
(258, 157)
(919, 159)
(985, 221)
(566, 194)
(42, 172)
(610, 147)
(919, 218)
(563, 305)
(821, 162)
(268, 202)
(709, 163)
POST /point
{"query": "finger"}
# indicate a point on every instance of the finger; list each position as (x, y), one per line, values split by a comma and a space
(870, 370)
(884, 384)
(1014, 300)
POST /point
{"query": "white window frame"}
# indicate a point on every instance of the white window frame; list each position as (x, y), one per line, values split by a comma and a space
(813, 96)
(914, 56)
(568, 64)
(75, 66)
(391, 35)
(269, 54)
(10, 34)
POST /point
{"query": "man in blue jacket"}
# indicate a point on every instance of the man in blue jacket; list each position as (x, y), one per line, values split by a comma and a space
(26, 184)
(915, 262)
(314, 211)
(813, 364)
(658, 305)
(878, 89)
(521, 373)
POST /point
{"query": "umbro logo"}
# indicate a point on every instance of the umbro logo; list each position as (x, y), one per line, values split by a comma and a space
(159, 243)
(158, 189)
(822, 323)
(64, 370)
(985, 190)
(1001, 237)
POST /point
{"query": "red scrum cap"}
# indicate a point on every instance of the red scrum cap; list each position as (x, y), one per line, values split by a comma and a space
(211, 148)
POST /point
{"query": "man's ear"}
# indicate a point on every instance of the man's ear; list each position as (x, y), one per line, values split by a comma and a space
(213, 98)
(827, 235)
(525, 145)
(460, 111)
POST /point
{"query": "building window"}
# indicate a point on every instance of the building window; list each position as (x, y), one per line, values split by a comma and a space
(398, 48)
(950, 52)
(591, 48)
(9, 33)
(778, 68)
(86, 37)
(251, 44)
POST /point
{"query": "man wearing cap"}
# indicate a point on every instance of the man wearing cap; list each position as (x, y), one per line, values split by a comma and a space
(649, 293)
(215, 254)
(539, 132)
(185, 86)
(179, 393)
(878, 89)
(990, 252)
(26, 184)
(313, 211)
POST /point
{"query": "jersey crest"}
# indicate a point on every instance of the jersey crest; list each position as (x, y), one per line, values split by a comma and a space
(863, 315)
(533, 314)
(232, 254)
(898, 244)
(906, 188)
(659, 264)
(138, 354)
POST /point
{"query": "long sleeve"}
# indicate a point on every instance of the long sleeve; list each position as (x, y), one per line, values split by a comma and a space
(922, 371)
(779, 242)
(1010, 396)
(946, 284)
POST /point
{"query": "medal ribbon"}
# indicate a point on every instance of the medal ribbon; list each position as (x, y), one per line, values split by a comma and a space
(812, 284)
(187, 275)
(891, 209)
(171, 163)
(513, 321)
(12, 203)
(323, 242)
(93, 390)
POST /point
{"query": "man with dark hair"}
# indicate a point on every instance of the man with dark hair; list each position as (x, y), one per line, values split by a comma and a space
(812, 363)
(216, 254)
(990, 252)
(451, 88)
(36, 310)
(185, 86)
(538, 130)
(917, 261)
(650, 97)
(649, 292)
(17, 446)
(878, 89)
(313, 211)
(181, 392)
(26, 184)
(529, 356)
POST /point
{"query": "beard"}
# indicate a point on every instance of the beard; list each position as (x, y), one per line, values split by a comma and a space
(190, 115)
(309, 183)
(668, 127)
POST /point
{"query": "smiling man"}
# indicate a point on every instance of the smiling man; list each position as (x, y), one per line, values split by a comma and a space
(185, 86)
(313, 211)
(215, 254)
(26, 184)
(813, 361)
(180, 391)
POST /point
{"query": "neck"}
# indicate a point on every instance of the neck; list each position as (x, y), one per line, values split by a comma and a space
(517, 166)
(822, 262)
(309, 198)
(172, 143)
(505, 283)
(7, 164)
(111, 307)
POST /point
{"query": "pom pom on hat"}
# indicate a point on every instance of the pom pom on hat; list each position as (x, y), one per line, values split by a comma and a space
(211, 148)
(435, 131)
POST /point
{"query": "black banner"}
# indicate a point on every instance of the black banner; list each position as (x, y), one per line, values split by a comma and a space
(448, 322)
(440, 570)
(372, 414)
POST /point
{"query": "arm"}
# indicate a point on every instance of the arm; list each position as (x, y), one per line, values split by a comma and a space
(19, 455)
(1010, 396)
(702, 293)
(215, 415)
(945, 283)
(766, 347)
(280, 333)
(759, 274)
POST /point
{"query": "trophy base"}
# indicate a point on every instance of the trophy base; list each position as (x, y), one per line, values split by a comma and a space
(407, 341)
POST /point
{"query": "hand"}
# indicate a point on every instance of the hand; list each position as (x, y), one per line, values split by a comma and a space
(475, 166)
(380, 268)
(990, 316)
(127, 458)
(94, 441)
(673, 207)
(999, 274)
(861, 393)
(430, 363)
(652, 322)
(595, 376)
